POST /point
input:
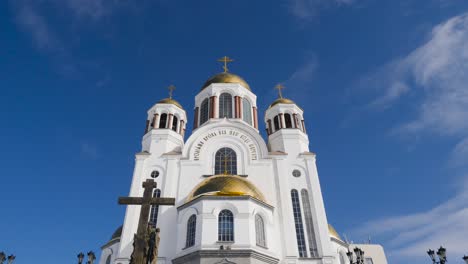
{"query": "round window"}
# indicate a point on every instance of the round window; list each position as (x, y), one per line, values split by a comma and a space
(296, 173)
(154, 174)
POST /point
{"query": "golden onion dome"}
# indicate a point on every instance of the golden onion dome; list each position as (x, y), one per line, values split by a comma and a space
(170, 101)
(282, 101)
(226, 77)
(332, 232)
(226, 185)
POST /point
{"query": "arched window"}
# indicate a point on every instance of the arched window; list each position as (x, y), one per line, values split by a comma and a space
(153, 219)
(246, 111)
(276, 123)
(301, 244)
(225, 162)
(260, 231)
(288, 120)
(163, 121)
(225, 105)
(175, 121)
(309, 223)
(204, 111)
(191, 228)
(225, 226)
(108, 260)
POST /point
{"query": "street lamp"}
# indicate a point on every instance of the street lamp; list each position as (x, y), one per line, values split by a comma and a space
(359, 256)
(91, 257)
(441, 253)
(9, 259)
(80, 257)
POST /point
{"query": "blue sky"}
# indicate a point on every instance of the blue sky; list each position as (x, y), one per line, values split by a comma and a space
(383, 85)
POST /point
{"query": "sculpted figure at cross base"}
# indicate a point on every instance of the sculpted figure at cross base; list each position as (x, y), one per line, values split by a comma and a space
(150, 244)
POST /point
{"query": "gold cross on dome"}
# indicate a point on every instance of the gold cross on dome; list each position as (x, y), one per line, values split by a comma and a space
(279, 87)
(171, 89)
(226, 60)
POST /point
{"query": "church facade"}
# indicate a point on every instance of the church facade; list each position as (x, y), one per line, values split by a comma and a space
(238, 198)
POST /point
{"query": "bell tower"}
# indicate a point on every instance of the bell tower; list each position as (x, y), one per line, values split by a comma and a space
(165, 126)
(285, 126)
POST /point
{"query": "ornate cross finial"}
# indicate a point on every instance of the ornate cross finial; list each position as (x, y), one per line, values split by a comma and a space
(171, 88)
(279, 87)
(225, 59)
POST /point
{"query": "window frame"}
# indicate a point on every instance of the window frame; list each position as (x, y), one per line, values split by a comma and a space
(260, 234)
(219, 168)
(225, 103)
(225, 226)
(204, 111)
(191, 231)
(247, 112)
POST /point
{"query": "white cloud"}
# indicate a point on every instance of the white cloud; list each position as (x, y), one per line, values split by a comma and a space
(411, 235)
(437, 73)
(88, 150)
(36, 25)
(306, 9)
(439, 69)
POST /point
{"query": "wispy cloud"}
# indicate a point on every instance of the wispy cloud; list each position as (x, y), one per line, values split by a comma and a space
(437, 73)
(31, 21)
(438, 69)
(411, 235)
(306, 9)
(89, 150)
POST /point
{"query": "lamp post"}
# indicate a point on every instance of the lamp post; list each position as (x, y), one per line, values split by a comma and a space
(359, 256)
(441, 253)
(91, 257)
(80, 257)
(9, 259)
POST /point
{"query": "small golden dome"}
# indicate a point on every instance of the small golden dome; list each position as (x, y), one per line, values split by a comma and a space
(226, 185)
(282, 101)
(226, 77)
(332, 232)
(170, 101)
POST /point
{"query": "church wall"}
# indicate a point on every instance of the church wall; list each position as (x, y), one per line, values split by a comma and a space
(182, 165)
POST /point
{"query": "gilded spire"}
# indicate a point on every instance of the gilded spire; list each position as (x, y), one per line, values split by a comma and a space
(279, 87)
(171, 89)
(226, 60)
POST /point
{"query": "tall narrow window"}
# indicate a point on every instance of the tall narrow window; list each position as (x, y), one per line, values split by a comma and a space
(276, 123)
(288, 120)
(301, 244)
(108, 260)
(246, 111)
(204, 111)
(175, 121)
(225, 162)
(225, 105)
(260, 231)
(153, 219)
(225, 226)
(191, 228)
(163, 121)
(309, 223)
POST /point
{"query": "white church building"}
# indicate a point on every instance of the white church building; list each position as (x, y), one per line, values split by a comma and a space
(239, 199)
